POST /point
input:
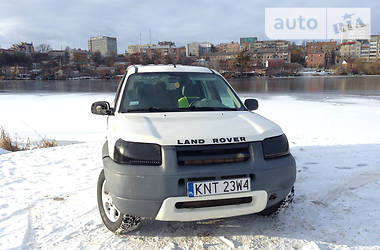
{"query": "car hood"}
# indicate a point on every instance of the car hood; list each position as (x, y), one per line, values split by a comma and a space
(182, 128)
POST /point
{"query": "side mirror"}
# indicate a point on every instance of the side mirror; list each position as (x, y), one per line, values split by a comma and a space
(101, 108)
(251, 104)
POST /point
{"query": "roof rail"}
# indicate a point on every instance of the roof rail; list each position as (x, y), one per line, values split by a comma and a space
(136, 69)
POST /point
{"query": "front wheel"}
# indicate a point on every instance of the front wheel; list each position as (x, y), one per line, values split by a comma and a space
(112, 218)
(278, 207)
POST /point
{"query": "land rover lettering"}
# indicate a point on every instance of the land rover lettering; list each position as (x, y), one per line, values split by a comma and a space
(214, 141)
(191, 141)
(228, 140)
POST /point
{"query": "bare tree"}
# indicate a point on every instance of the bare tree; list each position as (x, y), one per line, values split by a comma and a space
(242, 61)
(43, 48)
(66, 56)
(97, 58)
(110, 60)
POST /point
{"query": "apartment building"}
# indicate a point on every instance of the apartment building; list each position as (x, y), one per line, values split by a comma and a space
(23, 47)
(198, 49)
(107, 46)
(374, 47)
(350, 49)
(366, 49)
(262, 51)
(228, 48)
(245, 41)
(321, 54)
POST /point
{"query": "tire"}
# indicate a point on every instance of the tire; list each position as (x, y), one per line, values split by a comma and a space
(278, 207)
(119, 223)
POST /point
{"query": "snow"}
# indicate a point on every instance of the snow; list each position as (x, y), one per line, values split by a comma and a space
(48, 196)
(64, 117)
(3, 151)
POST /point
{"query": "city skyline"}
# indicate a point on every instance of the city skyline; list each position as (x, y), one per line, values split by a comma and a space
(72, 23)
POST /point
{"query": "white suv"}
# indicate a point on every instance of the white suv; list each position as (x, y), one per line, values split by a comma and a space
(182, 146)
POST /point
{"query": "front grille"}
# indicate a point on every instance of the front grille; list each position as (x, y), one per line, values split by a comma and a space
(212, 154)
(213, 203)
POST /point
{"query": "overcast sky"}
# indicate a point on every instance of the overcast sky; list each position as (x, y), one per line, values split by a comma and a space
(62, 23)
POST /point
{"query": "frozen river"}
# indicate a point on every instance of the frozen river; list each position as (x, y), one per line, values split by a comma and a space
(339, 85)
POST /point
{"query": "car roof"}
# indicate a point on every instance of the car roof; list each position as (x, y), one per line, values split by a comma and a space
(169, 68)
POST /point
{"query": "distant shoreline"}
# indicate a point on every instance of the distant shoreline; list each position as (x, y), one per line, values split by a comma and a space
(229, 78)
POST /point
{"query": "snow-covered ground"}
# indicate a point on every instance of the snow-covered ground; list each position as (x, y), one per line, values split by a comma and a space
(3, 151)
(48, 196)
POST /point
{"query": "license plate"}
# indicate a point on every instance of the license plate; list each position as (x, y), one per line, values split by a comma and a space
(204, 188)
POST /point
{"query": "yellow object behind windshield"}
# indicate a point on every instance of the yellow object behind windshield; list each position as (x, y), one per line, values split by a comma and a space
(183, 102)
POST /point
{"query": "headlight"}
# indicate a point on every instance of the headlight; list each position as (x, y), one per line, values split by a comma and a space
(275, 147)
(137, 153)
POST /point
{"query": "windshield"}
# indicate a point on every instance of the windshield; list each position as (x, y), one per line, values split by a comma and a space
(178, 92)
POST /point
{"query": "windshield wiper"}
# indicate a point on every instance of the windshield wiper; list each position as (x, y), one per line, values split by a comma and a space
(152, 109)
(192, 108)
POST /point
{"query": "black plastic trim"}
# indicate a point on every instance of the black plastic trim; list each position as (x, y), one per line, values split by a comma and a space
(213, 203)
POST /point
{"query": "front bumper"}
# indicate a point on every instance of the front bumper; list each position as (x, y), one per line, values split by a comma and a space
(153, 191)
(169, 212)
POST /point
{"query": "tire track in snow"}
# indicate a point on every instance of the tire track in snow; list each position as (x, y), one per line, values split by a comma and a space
(354, 182)
(28, 240)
